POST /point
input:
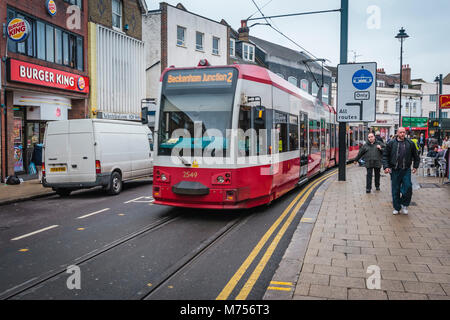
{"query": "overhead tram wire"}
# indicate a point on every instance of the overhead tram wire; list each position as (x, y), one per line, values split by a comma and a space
(288, 15)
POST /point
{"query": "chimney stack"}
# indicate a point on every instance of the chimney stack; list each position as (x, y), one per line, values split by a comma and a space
(406, 74)
(243, 31)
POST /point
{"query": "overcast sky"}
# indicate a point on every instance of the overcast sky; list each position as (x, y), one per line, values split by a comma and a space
(372, 28)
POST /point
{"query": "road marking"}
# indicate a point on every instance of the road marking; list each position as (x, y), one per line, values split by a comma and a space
(149, 200)
(91, 214)
(24, 250)
(80, 229)
(33, 233)
(226, 291)
(279, 288)
(282, 283)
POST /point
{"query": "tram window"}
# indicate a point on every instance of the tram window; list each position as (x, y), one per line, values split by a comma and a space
(259, 123)
(303, 135)
(244, 125)
(314, 132)
(293, 133)
(282, 127)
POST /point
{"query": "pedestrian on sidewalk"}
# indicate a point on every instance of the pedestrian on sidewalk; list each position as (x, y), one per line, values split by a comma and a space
(372, 151)
(421, 143)
(36, 158)
(398, 156)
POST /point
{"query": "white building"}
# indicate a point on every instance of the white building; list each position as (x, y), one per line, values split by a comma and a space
(430, 98)
(176, 37)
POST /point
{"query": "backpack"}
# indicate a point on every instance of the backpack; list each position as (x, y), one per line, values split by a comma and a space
(11, 180)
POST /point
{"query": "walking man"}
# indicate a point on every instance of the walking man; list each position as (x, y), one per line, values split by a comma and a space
(372, 152)
(398, 156)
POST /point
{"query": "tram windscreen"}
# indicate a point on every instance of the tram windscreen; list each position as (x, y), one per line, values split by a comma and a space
(192, 101)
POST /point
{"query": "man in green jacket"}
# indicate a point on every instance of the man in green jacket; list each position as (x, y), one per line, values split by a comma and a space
(372, 151)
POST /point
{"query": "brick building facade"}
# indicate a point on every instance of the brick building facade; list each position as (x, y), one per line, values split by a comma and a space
(43, 78)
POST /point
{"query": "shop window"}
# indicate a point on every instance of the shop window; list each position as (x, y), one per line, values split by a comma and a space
(50, 38)
(49, 43)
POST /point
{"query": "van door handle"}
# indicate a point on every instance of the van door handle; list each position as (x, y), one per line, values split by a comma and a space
(52, 158)
(74, 166)
(85, 158)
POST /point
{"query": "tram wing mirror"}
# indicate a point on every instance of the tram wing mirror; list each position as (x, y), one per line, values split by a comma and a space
(144, 115)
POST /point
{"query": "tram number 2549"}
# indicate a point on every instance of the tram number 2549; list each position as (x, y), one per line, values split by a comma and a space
(190, 174)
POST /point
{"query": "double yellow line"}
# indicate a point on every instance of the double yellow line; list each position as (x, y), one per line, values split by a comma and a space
(248, 286)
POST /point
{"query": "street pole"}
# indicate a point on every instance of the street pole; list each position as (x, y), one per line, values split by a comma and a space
(440, 110)
(343, 59)
(401, 84)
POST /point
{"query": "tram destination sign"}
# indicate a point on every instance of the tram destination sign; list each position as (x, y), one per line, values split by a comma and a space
(356, 92)
(204, 78)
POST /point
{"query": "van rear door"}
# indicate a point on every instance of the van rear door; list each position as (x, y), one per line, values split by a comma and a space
(56, 151)
(81, 166)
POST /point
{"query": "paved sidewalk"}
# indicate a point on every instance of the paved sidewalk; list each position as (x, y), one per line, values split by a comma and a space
(345, 230)
(26, 190)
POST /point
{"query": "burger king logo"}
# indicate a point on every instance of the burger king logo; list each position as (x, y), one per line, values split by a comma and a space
(81, 84)
(51, 7)
(18, 29)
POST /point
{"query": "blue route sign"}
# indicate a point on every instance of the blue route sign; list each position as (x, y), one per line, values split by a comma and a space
(362, 79)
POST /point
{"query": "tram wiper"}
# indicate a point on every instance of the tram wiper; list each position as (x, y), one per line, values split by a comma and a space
(184, 161)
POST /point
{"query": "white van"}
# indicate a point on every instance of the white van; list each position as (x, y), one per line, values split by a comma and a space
(94, 152)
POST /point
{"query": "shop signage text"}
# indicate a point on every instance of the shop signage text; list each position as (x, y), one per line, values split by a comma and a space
(18, 29)
(444, 101)
(51, 7)
(48, 77)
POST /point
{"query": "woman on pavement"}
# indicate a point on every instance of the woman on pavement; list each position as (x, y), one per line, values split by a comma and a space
(372, 151)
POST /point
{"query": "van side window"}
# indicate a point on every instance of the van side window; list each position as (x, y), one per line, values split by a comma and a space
(150, 141)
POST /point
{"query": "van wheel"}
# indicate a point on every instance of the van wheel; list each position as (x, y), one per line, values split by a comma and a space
(116, 184)
(63, 192)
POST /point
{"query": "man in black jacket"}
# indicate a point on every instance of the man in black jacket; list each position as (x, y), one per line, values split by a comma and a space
(397, 158)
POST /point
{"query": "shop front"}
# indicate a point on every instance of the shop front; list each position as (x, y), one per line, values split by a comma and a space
(384, 126)
(32, 101)
(415, 126)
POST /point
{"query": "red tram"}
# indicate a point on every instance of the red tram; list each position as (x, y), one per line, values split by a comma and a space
(239, 136)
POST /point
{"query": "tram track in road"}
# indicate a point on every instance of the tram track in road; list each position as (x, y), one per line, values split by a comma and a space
(239, 276)
(192, 256)
(46, 277)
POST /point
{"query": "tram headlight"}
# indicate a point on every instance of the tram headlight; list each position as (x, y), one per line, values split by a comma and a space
(163, 177)
(220, 179)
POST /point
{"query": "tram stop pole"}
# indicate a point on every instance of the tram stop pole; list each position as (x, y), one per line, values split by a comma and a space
(343, 59)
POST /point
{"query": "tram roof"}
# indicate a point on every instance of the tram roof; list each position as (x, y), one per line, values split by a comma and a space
(262, 75)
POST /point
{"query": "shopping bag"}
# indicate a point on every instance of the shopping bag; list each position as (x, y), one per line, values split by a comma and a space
(32, 168)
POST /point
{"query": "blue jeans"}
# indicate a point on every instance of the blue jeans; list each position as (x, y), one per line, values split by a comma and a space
(401, 187)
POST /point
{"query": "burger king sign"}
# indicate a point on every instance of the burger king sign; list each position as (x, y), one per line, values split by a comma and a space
(18, 29)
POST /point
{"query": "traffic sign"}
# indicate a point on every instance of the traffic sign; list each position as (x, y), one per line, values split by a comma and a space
(356, 92)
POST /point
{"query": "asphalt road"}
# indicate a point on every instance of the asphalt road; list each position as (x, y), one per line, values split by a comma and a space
(128, 248)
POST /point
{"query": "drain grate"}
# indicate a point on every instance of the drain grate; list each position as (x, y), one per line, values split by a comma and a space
(429, 185)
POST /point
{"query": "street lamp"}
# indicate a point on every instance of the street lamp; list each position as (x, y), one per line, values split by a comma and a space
(401, 36)
(410, 99)
(438, 80)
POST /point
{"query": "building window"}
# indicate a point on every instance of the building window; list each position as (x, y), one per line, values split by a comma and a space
(292, 80)
(415, 107)
(380, 83)
(249, 52)
(432, 98)
(444, 115)
(181, 32)
(215, 45)
(78, 3)
(304, 85)
(377, 105)
(49, 43)
(397, 106)
(50, 36)
(199, 41)
(314, 89)
(232, 47)
(117, 14)
(325, 90)
(386, 106)
(432, 114)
